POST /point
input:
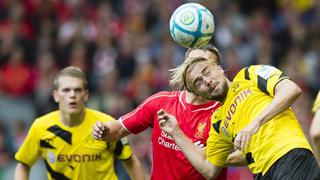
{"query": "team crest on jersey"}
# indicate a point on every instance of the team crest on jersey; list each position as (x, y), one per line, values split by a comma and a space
(200, 130)
(224, 131)
(266, 71)
(51, 157)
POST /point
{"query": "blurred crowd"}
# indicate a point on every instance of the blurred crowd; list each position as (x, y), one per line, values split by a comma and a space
(125, 48)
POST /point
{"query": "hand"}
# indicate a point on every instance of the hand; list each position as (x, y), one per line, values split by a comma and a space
(168, 123)
(243, 138)
(100, 131)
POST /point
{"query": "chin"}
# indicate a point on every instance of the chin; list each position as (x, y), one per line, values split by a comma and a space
(74, 111)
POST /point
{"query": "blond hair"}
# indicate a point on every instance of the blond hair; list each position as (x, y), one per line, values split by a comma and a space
(70, 71)
(178, 74)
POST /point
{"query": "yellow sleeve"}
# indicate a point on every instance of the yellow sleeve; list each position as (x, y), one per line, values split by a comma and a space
(316, 105)
(266, 77)
(218, 147)
(29, 151)
(122, 149)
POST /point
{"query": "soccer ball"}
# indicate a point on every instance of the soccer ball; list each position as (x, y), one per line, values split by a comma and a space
(191, 25)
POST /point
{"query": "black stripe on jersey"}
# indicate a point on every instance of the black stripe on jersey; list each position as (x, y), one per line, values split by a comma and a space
(216, 126)
(65, 135)
(119, 148)
(71, 167)
(249, 158)
(54, 174)
(46, 144)
(246, 74)
(262, 85)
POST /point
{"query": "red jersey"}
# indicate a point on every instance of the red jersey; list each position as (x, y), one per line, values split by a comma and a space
(168, 160)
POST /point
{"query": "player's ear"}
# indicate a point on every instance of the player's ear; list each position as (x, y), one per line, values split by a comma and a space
(55, 96)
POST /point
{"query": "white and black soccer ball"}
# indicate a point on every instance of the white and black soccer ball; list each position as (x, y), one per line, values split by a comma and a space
(192, 25)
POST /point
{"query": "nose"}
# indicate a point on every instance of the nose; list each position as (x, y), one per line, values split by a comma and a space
(72, 93)
(207, 81)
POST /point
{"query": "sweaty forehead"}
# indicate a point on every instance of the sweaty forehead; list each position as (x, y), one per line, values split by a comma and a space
(202, 53)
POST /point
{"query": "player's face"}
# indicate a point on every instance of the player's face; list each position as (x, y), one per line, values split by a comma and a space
(207, 80)
(70, 95)
(202, 53)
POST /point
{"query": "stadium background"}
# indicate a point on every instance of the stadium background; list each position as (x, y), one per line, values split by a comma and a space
(126, 50)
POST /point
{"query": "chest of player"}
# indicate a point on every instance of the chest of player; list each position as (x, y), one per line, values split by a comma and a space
(61, 146)
(242, 104)
(194, 124)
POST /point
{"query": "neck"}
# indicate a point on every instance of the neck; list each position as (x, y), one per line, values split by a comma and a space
(194, 99)
(72, 120)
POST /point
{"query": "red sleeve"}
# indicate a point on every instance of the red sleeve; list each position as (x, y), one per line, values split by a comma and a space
(143, 116)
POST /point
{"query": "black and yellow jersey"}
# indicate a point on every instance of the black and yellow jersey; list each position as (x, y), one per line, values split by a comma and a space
(71, 152)
(316, 104)
(250, 92)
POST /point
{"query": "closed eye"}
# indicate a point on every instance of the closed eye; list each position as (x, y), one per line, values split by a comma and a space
(197, 83)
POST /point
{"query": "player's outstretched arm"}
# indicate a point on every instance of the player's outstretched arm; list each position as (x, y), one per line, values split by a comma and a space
(315, 134)
(134, 168)
(285, 94)
(22, 172)
(109, 131)
(194, 154)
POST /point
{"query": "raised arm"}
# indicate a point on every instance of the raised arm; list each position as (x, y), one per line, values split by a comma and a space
(134, 168)
(110, 131)
(194, 154)
(22, 172)
(285, 94)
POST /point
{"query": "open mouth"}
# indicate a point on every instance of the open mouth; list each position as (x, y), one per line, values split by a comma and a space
(73, 104)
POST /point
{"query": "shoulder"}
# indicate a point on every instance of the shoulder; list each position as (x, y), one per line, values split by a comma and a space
(163, 95)
(47, 119)
(166, 94)
(256, 70)
(91, 113)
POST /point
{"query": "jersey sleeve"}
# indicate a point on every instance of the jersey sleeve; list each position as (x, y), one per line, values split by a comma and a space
(266, 77)
(29, 151)
(218, 146)
(142, 117)
(316, 104)
(122, 149)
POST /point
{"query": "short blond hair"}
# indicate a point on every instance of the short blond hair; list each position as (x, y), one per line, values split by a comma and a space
(178, 74)
(70, 71)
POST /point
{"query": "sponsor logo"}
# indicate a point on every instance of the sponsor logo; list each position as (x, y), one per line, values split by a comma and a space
(224, 131)
(233, 107)
(187, 18)
(168, 142)
(78, 157)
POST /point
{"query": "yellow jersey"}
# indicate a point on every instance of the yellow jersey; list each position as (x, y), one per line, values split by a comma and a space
(71, 152)
(316, 105)
(250, 92)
